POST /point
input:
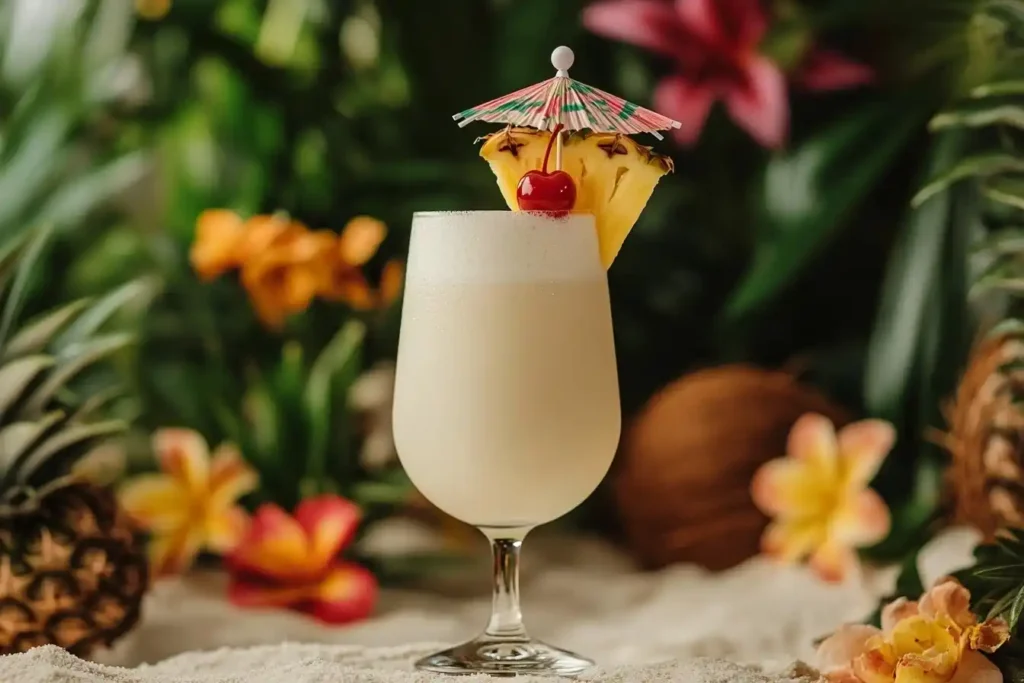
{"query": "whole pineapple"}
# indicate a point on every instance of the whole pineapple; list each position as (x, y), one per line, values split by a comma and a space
(72, 572)
(986, 437)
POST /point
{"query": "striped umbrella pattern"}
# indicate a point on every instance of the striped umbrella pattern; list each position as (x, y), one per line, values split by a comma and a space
(575, 105)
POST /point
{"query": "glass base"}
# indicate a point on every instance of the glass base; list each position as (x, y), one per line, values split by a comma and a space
(497, 657)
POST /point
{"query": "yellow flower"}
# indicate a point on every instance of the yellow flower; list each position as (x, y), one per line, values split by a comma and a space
(191, 505)
(819, 494)
(935, 640)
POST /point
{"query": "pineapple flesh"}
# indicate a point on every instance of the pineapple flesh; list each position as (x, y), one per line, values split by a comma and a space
(614, 175)
(72, 569)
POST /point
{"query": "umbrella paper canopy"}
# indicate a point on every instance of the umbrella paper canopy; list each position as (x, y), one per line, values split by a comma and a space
(573, 104)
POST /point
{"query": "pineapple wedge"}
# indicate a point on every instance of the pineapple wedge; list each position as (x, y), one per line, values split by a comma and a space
(614, 175)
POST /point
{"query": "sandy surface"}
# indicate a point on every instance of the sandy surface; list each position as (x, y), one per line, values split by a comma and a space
(578, 594)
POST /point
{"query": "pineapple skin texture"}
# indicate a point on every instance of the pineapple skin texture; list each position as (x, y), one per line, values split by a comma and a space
(615, 177)
(73, 571)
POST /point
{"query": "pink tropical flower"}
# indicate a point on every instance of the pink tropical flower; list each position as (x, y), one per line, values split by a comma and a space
(715, 44)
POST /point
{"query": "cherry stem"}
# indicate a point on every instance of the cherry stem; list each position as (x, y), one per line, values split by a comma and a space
(547, 153)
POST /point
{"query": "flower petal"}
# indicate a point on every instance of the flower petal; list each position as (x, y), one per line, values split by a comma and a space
(949, 599)
(215, 246)
(976, 668)
(275, 546)
(896, 611)
(391, 280)
(833, 562)
(877, 665)
(348, 593)
(175, 552)
(687, 102)
(829, 70)
(651, 24)
(330, 523)
(225, 529)
(863, 520)
(155, 502)
(840, 649)
(759, 104)
(245, 591)
(989, 636)
(791, 489)
(725, 24)
(231, 477)
(360, 239)
(862, 447)
(184, 456)
(792, 541)
(812, 439)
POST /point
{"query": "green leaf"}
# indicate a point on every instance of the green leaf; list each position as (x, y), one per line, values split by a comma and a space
(809, 194)
(1006, 114)
(1002, 571)
(912, 273)
(37, 335)
(1016, 608)
(998, 88)
(77, 359)
(17, 375)
(983, 166)
(79, 196)
(136, 292)
(24, 271)
(59, 452)
(329, 379)
(1005, 190)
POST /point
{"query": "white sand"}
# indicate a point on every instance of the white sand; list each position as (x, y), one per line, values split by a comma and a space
(580, 595)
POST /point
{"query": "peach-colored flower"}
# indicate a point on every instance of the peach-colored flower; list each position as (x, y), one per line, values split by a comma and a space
(191, 505)
(819, 495)
(934, 640)
(293, 562)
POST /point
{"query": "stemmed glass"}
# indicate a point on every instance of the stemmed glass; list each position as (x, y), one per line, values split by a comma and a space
(506, 408)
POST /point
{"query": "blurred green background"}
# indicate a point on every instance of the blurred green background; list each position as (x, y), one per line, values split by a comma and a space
(121, 121)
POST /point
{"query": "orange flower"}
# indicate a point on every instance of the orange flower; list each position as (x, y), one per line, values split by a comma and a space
(819, 494)
(216, 247)
(284, 276)
(935, 640)
(357, 244)
(191, 505)
(292, 562)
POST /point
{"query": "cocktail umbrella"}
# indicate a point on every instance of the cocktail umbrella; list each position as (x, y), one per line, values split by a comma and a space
(574, 105)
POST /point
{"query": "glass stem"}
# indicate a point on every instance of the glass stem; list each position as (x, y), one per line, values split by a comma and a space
(506, 618)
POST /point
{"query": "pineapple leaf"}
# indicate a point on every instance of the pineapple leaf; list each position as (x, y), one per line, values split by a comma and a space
(983, 166)
(1003, 571)
(36, 336)
(18, 438)
(329, 379)
(59, 453)
(1016, 607)
(95, 403)
(16, 376)
(90, 321)
(78, 358)
(23, 272)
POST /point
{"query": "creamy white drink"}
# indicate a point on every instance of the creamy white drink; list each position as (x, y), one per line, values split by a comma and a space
(506, 405)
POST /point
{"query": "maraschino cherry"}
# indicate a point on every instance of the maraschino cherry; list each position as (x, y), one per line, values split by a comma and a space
(542, 191)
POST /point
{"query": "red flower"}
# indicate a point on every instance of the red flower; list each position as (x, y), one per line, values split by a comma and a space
(715, 45)
(292, 561)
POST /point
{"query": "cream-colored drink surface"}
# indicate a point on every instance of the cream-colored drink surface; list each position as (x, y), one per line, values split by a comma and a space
(506, 404)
